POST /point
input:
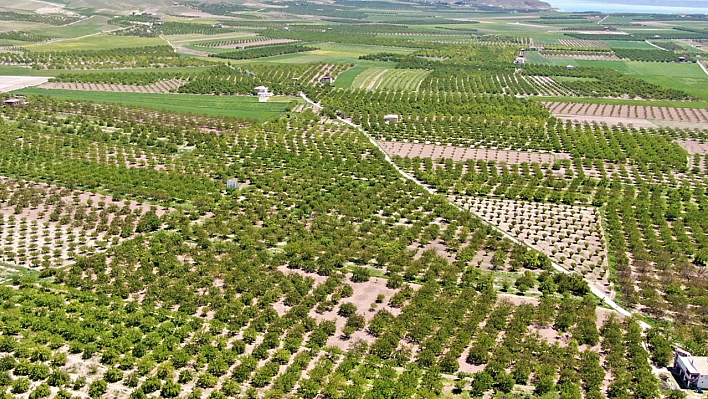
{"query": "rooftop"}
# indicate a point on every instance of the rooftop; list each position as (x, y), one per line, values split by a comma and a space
(695, 364)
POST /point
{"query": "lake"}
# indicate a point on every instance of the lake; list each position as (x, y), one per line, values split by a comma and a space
(640, 6)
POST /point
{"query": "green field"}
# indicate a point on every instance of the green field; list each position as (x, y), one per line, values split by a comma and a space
(98, 42)
(687, 77)
(369, 77)
(15, 70)
(341, 53)
(232, 106)
(402, 79)
(346, 78)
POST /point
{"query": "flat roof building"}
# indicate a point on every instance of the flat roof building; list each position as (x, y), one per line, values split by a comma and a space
(15, 102)
(691, 370)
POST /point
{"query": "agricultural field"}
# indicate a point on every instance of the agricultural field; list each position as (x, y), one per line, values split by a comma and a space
(232, 106)
(629, 112)
(350, 200)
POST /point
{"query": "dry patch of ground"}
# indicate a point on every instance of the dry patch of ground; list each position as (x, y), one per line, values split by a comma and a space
(412, 150)
(45, 225)
(10, 83)
(633, 113)
(164, 86)
(693, 146)
(608, 120)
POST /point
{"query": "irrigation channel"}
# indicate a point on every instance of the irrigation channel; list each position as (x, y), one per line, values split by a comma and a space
(596, 291)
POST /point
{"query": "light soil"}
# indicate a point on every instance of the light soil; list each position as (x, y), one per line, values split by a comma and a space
(10, 83)
(412, 150)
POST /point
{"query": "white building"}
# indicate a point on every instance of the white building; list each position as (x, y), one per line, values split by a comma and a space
(262, 93)
(520, 60)
(391, 118)
(691, 370)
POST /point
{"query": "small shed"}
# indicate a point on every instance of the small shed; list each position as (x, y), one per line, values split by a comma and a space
(520, 60)
(15, 102)
(682, 59)
(569, 67)
(391, 118)
(327, 79)
(232, 184)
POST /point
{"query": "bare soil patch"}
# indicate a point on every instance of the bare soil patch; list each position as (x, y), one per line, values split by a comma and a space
(412, 150)
(636, 115)
(164, 86)
(10, 83)
(693, 146)
(45, 224)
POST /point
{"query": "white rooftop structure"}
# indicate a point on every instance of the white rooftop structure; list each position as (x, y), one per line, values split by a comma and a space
(692, 370)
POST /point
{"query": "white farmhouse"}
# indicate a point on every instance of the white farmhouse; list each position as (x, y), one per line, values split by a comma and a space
(262, 93)
(692, 370)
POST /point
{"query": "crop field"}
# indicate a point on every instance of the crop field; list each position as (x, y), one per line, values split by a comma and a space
(231, 106)
(354, 307)
(346, 79)
(695, 115)
(578, 43)
(164, 86)
(97, 42)
(410, 150)
(401, 79)
(369, 79)
(241, 43)
(49, 226)
(520, 231)
(571, 235)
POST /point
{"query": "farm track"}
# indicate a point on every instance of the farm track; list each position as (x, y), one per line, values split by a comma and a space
(374, 82)
(593, 287)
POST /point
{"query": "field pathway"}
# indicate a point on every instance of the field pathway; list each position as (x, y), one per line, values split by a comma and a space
(79, 37)
(703, 67)
(375, 79)
(593, 288)
(185, 50)
(78, 20)
(654, 45)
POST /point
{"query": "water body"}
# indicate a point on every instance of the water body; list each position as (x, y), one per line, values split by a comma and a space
(633, 6)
